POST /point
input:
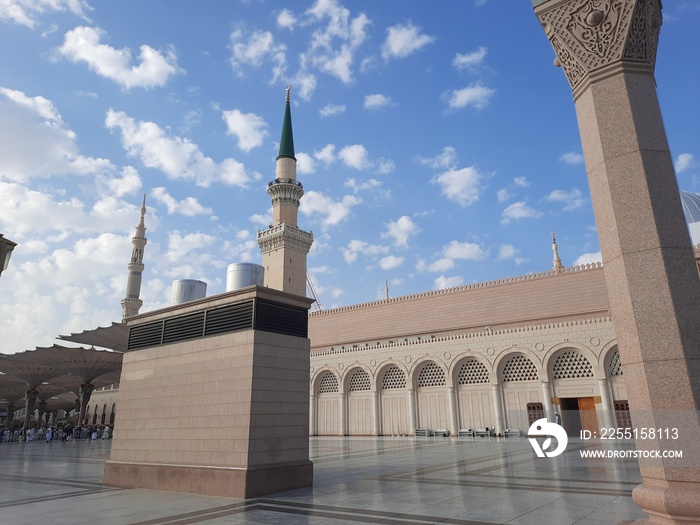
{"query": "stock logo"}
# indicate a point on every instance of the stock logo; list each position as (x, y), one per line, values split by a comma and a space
(544, 428)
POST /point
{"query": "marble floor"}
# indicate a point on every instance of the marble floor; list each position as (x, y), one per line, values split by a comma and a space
(391, 480)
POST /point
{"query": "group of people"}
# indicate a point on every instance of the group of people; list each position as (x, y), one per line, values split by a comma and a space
(52, 433)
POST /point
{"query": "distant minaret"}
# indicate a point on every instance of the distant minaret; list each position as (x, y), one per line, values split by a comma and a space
(557, 266)
(284, 246)
(131, 303)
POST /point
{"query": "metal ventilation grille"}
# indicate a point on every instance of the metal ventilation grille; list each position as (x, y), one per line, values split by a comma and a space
(231, 318)
(250, 314)
(185, 327)
(144, 335)
(281, 319)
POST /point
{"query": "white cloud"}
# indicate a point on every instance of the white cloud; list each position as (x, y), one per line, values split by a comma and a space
(371, 184)
(400, 230)
(684, 161)
(286, 19)
(305, 84)
(35, 143)
(326, 154)
(334, 45)
(403, 40)
(177, 157)
(154, 68)
(588, 258)
(442, 265)
(333, 212)
(180, 246)
(129, 182)
(355, 156)
(330, 110)
(572, 157)
(443, 282)
(357, 247)
(447, 159)
(385, 166)
(189, 207)
(390, 262)
(462, 186)
(454, 251)
(469, 61)
(572, 200)
(466, 251)
(250, 129)
(473, 95)
(503, 195)
(508, 252)
(256, 48)
(27, 212)
(305, 163)
(27, 12)
(519, 210)
(377, 101)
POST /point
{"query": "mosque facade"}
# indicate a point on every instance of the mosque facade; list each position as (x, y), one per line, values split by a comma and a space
(487, 358)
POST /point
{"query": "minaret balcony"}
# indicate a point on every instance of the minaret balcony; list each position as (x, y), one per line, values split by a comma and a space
(285, 181)
(285, 190)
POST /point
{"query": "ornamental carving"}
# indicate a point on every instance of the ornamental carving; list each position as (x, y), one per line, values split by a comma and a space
(285, 192)
(593, 36)
(285, 236)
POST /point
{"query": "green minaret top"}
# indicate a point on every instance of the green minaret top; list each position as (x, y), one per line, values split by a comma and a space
(287, 140)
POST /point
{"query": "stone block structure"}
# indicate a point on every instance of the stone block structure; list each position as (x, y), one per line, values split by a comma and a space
(213, 397)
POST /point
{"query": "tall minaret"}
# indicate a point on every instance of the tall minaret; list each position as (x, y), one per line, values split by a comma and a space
(284, 246)
(131, 303)
(557, 266)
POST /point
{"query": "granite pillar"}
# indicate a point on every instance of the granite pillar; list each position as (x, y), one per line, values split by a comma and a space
(607, 50)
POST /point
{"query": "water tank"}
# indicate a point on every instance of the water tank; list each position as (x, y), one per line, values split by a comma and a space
(188, 290)
(240, 275)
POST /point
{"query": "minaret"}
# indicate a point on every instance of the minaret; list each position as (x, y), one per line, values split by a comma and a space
(557, 266)
(284, 246)
(131, 303)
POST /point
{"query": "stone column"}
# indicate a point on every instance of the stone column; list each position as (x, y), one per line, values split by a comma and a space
(42, 411)
(452, 407)
(547, 401)
(85, 393)
(30, 401)
(412, 420)
(606, 404)
(375, 413)
(343, 414)
(498, 408)
(312, 415)
(607, 50)
(10, 415)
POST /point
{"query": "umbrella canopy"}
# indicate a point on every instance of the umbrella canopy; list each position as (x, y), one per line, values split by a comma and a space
(114, 337)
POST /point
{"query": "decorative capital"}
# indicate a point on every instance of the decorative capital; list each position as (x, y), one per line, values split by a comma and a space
(594, 39)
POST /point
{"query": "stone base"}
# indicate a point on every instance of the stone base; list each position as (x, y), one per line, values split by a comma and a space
(228, 482)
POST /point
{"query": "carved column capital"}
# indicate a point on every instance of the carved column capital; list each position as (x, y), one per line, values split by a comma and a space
(594, 39)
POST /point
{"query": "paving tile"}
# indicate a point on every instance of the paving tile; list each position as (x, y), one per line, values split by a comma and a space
(389, 481)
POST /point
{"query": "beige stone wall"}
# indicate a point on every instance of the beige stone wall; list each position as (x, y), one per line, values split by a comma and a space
(531, 299)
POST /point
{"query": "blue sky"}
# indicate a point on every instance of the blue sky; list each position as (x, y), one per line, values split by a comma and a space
(437, 144)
